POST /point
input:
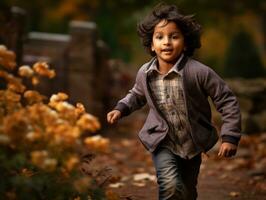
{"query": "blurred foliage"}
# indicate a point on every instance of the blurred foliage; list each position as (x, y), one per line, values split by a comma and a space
(242, 58)
(40, 138)
(117, 19)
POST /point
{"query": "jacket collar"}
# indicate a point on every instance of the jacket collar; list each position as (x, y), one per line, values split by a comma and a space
(179, 65)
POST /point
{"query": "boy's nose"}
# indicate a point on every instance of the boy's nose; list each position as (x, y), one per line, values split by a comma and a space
(166, 40)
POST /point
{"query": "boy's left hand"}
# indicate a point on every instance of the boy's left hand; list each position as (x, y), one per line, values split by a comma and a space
(227, 150)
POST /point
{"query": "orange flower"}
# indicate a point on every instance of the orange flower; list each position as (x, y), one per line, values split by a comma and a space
(82, 184)
(35, 80)
(111, 195)
(25, 71)
(80, 109)
(63, 134)
(41, 160)
(4, 75)
(64, 106)
(55, 98)
(38, 157)
(33, 136)
(33, 97)
(97, 143)
(72, 162)
(59, 97)
(4, 139)
(12, 96)
(7, 58)
(89, 122)
(26, 172)
(49, 164)
(42, 68)
(15, 84)
(47, 134)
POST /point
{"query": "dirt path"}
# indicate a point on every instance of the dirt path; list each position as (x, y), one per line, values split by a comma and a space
(133, 174)
(240, 178)
(218, 179)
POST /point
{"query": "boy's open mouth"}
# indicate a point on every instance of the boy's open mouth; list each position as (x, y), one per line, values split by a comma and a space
(167, 50)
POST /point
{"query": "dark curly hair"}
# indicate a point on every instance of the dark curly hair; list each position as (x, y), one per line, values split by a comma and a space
(190, 29)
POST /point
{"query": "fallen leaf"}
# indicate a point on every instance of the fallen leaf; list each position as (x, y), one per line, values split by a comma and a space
(139, 184)
(116, 185)
(234, 194)
(144, 176)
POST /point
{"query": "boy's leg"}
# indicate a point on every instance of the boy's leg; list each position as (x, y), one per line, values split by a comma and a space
(171, 186)
(190, 171)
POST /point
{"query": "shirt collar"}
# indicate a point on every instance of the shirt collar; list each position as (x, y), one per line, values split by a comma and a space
(154, 66)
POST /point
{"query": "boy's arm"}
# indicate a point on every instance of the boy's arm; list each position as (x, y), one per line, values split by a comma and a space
(226, 103)
(135, 99)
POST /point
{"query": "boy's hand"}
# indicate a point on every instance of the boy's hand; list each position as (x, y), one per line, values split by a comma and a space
(113, 116)
(227, 150)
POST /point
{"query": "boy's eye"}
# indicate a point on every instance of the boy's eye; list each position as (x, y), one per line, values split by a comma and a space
(175, 36)
(159, 37)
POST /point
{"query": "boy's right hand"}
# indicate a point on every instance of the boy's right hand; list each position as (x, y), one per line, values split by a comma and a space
(113, 116)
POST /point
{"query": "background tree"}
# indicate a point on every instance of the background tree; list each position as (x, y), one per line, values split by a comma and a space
(242, 59)
(116, 21)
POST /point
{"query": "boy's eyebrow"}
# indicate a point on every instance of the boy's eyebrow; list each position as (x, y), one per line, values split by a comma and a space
(159, 32)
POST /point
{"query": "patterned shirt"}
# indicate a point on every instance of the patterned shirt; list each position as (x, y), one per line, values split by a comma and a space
(167, 90)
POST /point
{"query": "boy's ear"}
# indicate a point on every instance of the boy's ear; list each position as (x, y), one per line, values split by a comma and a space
(152, 48)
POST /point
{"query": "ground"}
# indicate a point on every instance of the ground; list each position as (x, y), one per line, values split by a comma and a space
(133, 175)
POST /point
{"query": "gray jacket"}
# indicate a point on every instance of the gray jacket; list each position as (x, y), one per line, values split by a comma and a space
(199, 83)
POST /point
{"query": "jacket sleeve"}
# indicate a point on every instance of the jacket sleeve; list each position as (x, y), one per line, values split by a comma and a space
(135, 99)
(226, 103)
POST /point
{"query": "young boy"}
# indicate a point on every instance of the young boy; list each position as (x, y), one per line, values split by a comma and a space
(176, 88)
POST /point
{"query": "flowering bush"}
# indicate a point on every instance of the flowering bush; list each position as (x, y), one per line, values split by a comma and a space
(40, 137)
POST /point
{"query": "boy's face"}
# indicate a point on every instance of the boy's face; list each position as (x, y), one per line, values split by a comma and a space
(167, 42)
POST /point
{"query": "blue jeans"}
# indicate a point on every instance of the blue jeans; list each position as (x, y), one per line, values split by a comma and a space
(176, 177)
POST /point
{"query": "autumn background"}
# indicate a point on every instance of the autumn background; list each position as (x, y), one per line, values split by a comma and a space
(65, 63)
